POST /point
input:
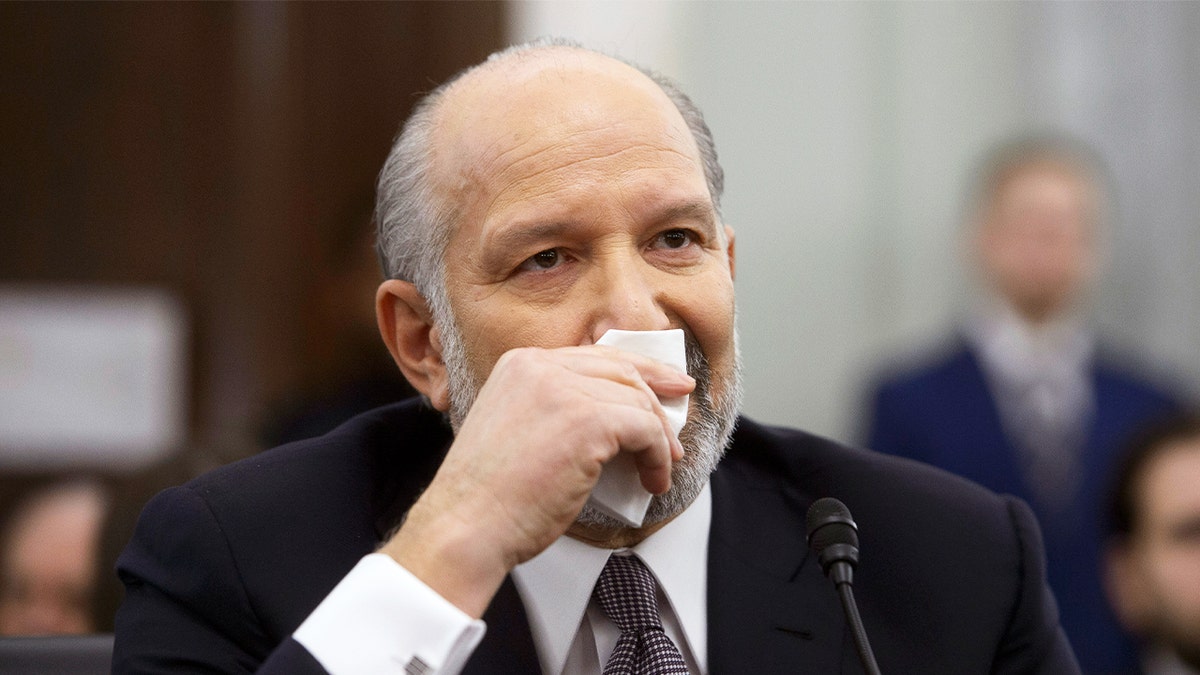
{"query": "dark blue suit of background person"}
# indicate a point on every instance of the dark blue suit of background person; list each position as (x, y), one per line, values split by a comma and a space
(1023, 402)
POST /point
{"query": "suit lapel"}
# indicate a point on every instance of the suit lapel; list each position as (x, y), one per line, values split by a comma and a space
(991, 455)
(770, 608)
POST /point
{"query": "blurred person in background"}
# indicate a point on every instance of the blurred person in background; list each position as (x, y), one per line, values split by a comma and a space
(1023, 401)
(1153, 558)
(49, 552)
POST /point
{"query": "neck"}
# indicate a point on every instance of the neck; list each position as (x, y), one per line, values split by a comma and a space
(1038, 314)
(1043, 310)
(602, 537)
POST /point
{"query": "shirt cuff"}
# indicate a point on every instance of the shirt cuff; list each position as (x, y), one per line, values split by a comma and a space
(382, 619)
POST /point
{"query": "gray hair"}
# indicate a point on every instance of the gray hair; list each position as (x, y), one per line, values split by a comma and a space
(414, 226)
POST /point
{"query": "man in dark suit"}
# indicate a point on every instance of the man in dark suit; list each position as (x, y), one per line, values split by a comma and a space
(530, 206)
(1022, 402)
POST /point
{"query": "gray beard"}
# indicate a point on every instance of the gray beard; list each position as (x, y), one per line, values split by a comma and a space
(704, 437)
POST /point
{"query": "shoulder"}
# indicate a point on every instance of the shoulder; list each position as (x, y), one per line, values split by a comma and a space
(348, 486)
(397, 438)
(1131, 379)
(931, 368)
(820, 465)
(904, 508)
(305, 510)
(927, 538)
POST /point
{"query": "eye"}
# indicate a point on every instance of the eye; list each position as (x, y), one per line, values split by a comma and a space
(675, 238)
(542, 260)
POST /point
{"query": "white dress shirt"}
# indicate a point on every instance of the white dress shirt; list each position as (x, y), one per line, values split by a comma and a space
(380, 619)
(1040, 377)
(573, 635)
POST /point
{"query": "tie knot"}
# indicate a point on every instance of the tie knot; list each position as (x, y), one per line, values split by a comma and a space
(626, 593)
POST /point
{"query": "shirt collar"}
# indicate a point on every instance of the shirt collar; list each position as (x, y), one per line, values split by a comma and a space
(1019, 351)
(556, 585)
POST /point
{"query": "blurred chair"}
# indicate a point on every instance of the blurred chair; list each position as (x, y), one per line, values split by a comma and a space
(56, 655)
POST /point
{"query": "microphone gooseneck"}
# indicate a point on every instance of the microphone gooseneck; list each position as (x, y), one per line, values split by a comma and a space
(833, 536)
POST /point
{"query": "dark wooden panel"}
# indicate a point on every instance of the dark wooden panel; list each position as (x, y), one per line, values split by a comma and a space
(225, 151)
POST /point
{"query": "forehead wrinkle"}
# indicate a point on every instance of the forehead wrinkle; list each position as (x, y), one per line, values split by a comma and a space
(582, 163)
(520, 235)
(545, 181)
(577, 141)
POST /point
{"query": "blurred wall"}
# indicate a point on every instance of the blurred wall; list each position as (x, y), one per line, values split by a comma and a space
(847, 131)
(215, 151)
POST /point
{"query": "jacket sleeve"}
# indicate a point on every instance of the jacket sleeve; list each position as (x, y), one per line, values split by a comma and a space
(1033, 643)
(185, 607)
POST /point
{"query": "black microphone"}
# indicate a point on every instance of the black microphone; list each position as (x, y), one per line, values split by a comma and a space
(833, 535)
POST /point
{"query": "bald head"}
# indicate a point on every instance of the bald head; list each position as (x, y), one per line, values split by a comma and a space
(522, 86)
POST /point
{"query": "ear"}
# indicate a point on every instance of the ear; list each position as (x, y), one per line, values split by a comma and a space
(729, 251)
(408, 330)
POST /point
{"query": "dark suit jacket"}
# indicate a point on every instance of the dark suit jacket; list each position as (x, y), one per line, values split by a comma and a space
(943, 413)
(222, 570)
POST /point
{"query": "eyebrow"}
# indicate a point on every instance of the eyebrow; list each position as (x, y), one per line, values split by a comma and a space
(521, 236)
(699, 210)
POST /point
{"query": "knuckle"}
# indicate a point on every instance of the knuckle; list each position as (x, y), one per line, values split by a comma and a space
(519, 358)
(630, 372)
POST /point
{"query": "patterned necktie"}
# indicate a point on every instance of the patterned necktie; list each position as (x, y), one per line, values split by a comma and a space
(626, 593)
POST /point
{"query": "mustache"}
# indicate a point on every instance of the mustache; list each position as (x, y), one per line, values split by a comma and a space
(697, 364)
(700, 370)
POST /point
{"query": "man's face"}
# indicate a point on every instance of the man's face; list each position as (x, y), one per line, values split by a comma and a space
(1162, 560)
(1038, 238)
(582, 207)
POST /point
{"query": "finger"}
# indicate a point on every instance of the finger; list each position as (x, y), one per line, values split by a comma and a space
(622, 366)
(644, 398)
(654, 466)
(648, 400)
(649, 443)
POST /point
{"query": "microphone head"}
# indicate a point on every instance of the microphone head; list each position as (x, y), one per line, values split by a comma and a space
(832, 533)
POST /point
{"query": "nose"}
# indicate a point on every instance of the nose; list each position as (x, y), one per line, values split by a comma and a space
(627, 296)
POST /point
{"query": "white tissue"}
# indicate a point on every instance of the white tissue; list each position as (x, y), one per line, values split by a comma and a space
(619, 492)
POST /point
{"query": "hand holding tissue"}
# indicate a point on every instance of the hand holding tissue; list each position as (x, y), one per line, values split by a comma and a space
(619, 492)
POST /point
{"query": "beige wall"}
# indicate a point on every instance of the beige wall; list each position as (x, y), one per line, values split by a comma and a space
(846, 129)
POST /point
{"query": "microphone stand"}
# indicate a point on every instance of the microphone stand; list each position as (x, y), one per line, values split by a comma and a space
(856, 627)
(833, 535)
